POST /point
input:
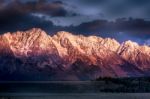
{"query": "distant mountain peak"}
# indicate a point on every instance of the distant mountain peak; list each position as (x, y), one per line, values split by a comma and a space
(77, 56)
(63, 33)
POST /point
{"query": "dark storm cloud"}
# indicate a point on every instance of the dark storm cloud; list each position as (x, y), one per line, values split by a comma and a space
(75, 12)
(16, 14)
(107, 9)
(16, 6)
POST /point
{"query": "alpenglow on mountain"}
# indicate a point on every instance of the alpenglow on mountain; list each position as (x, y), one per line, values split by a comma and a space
(35, 55)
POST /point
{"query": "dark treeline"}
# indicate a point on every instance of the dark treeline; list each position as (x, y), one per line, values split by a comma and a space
(132, 85)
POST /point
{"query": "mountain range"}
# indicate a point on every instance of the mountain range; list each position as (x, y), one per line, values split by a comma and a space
(35, 55)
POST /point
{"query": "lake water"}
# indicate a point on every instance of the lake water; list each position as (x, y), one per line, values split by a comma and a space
(62, 90)
(78, 96)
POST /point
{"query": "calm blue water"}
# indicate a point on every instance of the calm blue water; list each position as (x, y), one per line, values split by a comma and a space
(62, 90)
(78, 96)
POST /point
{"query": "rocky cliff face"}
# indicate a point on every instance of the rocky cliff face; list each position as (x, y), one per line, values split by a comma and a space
(34, 55)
